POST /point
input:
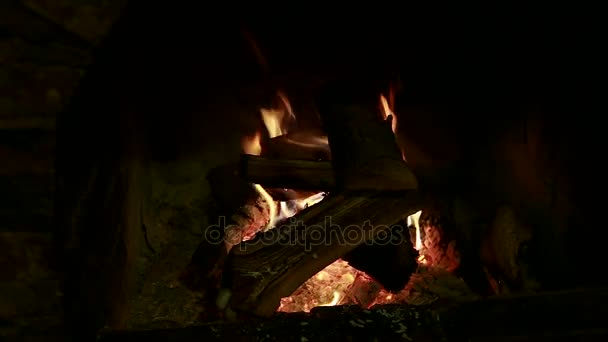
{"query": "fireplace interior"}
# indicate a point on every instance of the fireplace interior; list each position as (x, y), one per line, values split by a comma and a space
(413, 176)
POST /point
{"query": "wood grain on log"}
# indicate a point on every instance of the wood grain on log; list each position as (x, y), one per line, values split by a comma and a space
(262, 271)
(289, 174)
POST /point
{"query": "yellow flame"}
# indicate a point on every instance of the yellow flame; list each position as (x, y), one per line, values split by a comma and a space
(275, 118)
(387, 111)
(414, 219)
(252, 145)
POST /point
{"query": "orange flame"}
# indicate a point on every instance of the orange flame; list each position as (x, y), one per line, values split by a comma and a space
(276, 120)
(387, 111)
(251, 145)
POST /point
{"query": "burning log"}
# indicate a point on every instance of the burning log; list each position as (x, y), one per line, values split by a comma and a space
(365, 158)
(262, 271)
(245, 210)
(300, 145)
(285, 195)
(291, 174)
(365, 155)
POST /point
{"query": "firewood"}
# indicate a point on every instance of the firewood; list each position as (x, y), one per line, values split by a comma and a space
(299, 145)
(244, 210)
(365, 155)
(390, 259)
(262, 271)
(289, 194)
(288, 174)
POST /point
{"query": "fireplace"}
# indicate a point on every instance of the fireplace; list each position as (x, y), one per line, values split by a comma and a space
(309, 220)
(434, 151)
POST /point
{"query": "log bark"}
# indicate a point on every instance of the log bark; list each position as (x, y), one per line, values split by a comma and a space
(365, 155)
(262, 271)
(315, 176)
(289, 174)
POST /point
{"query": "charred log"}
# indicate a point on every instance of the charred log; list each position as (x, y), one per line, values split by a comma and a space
(274, 264)
(390, 259)
(291, 174)
(279, 194)
(452, 245)
(365, 155)
(299, 145)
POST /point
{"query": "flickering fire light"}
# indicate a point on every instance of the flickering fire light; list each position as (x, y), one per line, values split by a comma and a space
(328, 287)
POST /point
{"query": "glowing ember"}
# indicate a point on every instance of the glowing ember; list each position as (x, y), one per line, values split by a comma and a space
(326, 288)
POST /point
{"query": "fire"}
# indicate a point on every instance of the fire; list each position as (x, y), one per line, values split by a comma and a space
(415, 220)
(252, 145)
(277, 121)
(387, 111)
(326, 288)
(329, 286)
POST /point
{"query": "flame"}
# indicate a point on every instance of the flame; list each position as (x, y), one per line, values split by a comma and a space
(277, 121)
(415, 220)
(387, 111)
(251, 145)
(336, 278)
(289, 208)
